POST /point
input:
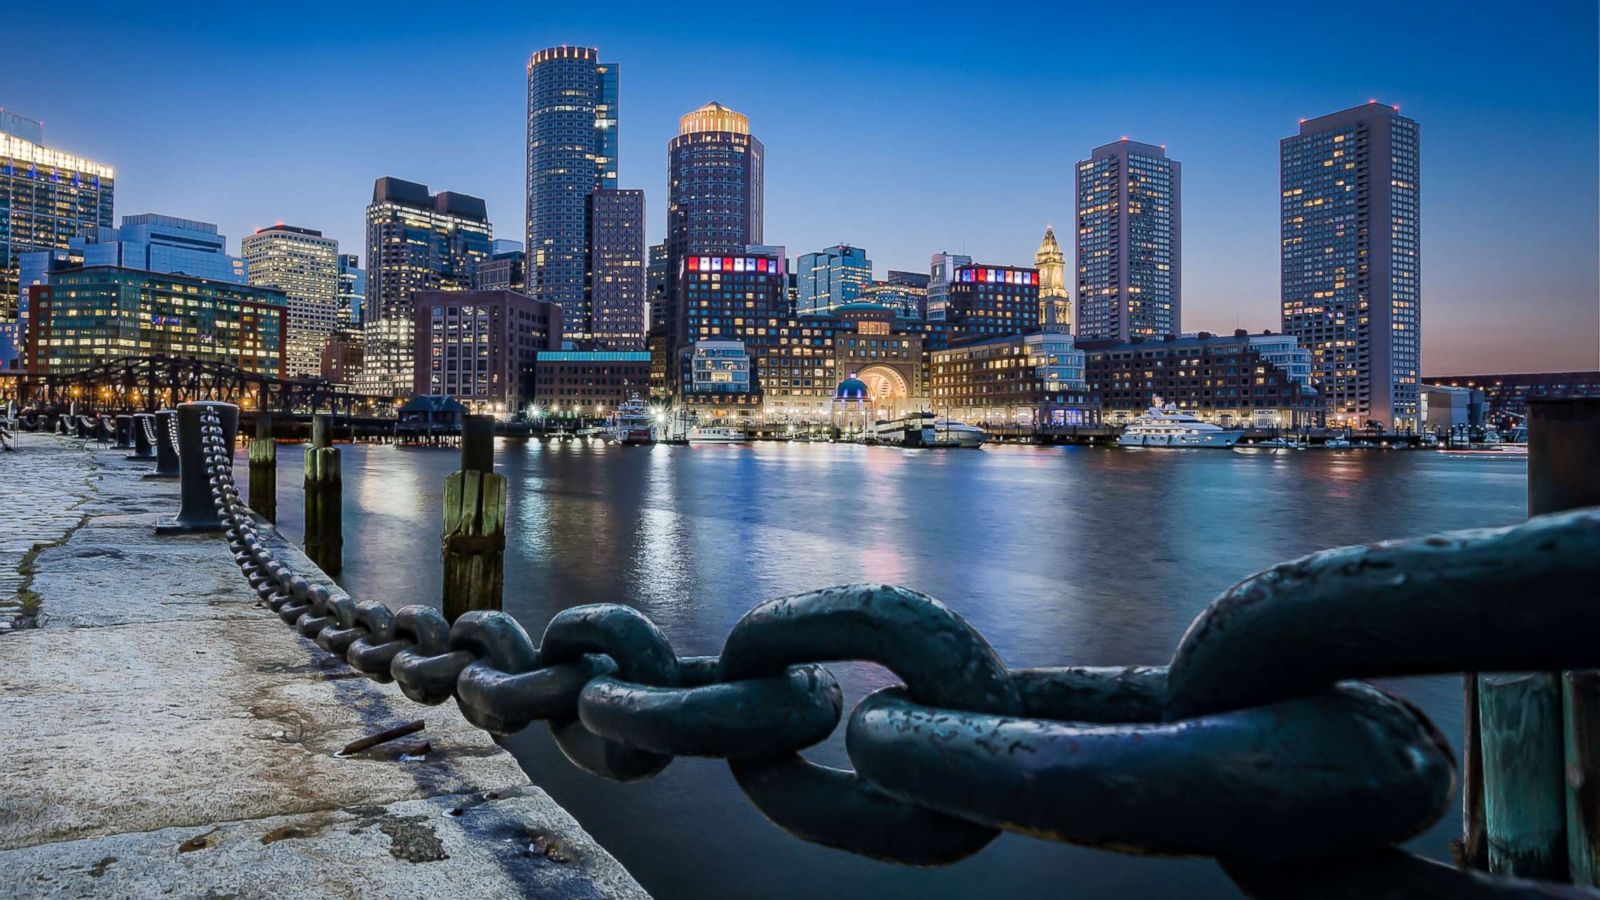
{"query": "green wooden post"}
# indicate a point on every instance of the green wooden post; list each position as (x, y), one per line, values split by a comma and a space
(324, 503)
(264, 470)
(474, 525)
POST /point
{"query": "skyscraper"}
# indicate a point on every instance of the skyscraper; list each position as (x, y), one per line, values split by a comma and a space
(305, 266)
(572, 152)
(1129, 242)
(352, 296)
(714, 194)
(656, 283)
(942, 268)
(1055, 304)
(616, 269)
(831, 278)
(416, 241)
(1351, 264)
(47, 198)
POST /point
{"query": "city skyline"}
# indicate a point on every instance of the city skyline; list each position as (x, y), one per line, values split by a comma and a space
(1499, 298)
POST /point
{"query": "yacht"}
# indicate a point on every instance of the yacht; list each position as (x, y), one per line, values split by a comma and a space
(914, 430)
(716, 434)
(1338, 443)
(951, 433)
(632, 423)
(1167, 426)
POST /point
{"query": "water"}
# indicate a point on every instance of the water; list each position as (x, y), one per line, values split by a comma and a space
(1059, 556)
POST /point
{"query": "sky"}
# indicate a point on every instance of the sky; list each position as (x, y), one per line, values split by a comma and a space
(901, 128)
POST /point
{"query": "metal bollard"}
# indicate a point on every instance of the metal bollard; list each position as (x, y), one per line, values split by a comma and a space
(197, 512)
(166, 450)
(144, 447)
(124, 433)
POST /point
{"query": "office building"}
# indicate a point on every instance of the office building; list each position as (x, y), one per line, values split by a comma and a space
(87, 315)
(988, 301)
(941, 273)
(416, 241)
(1456, 411)
(1230, 380)
(616, 269)
(1020, 382)
(830, 278)
(1507, 395)
(351, 299)
(479, 347)
(341, 356)
(904, 292)
(714, 197)
(1129, 243)
(304, 265)
(588, 383)
(655, 273)
(1055, 303)
(1351, 261)
(504, 270)
(572, 152)
(47, 198)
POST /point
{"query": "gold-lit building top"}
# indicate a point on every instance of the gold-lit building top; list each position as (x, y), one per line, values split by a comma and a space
(15, 148)
(563, 52)
(713, 117)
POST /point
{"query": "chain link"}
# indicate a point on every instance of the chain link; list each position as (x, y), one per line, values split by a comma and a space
(1257, 747)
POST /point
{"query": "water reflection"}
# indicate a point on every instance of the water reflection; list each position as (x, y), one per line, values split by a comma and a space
(1058, 555)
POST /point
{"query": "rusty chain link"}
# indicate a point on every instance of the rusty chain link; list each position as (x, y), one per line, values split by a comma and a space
(1257, 746)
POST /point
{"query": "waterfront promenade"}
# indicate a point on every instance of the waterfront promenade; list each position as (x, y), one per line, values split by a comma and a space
(165, 735)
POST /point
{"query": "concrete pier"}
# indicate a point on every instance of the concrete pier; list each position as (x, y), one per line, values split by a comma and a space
(163, 734)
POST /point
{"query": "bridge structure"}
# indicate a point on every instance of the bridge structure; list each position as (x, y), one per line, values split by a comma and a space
(149, 383)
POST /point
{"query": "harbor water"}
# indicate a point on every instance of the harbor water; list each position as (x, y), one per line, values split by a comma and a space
(1059, 556)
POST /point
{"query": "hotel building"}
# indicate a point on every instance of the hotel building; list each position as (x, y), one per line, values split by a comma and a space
(304, 265)
(1022, 381)
(1129, 243)
(1351, 261)
(985, 301)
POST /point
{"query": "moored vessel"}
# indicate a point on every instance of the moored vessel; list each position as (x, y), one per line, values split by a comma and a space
(1167, 426)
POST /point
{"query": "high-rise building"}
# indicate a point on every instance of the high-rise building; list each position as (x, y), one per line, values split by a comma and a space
(830, 278)
(942, 268)
(1055, 304)
(1351, 261)
(904, 292)
(572, 152)
(655, 273)
(352, 297)
(305, 266)
(617, 298)
(416, 241)
(480, 346)
(505, 270)
(1129, 242)
(988, 301)
(714, 195)
(47, 198)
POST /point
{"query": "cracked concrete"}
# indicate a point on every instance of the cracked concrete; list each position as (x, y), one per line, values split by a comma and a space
(165, 734)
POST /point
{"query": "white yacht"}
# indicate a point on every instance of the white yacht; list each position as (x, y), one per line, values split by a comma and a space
(915, 430)
(1167, 426)
(632, 423)
(950, 433)
(716, 434)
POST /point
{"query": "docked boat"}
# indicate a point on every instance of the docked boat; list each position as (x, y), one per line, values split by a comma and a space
(915, 430)
(1337, 443)
(631, 424)
(1167, 426)
(716, 434)
(951, 433)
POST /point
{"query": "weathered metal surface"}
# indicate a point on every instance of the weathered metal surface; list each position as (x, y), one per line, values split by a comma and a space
(144, 437)
(198, 422)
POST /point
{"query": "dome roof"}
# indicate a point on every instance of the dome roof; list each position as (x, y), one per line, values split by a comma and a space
(851, 388)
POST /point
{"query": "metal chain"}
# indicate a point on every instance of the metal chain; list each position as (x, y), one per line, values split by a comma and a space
(1255, 746)
(149, 429)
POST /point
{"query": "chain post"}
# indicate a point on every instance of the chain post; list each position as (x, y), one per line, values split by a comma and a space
(166, 445)
(124, 433)
(196, 511)
(264, 470)
(474, 525)
(324, 500)
(144, 445)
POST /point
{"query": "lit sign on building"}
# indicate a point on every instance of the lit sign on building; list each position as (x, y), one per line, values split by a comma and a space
(1000, 276)
(734, 264)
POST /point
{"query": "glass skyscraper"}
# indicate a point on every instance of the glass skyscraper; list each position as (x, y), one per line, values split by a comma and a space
(942, 268)
(1129, 242)
(830, 278)
(1351, 263)
(572, 152)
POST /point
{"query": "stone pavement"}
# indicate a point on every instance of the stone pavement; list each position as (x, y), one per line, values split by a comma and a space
(163, 734)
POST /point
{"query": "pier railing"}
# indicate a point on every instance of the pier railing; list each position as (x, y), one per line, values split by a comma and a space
(1257, 745)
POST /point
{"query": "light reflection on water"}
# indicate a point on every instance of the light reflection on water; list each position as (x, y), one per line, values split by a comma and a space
(1058, 555)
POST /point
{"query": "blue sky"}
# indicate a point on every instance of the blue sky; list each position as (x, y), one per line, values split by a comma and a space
(905, 129)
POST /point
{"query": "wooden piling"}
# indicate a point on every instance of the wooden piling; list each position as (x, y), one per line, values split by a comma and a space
(264, 470)
(474, 525)
(324, 503)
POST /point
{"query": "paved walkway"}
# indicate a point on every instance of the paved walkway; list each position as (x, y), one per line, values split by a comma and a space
(163, 734)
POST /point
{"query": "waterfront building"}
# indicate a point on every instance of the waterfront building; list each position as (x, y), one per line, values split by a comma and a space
(504, 270)
(1024, 382)
(341, 356)
(1129, 243)
(87, 315)
(942, 268)
(1351, 263)
(588, 383)
(1055, 303)
(351, 298)
(571, 152)
(728, 298)
(616, 269)
(1447, 409)
(986, 301)
(480, 346)
(1507, 394)
(416, 241)
(721, 384)
(1227, 380)
(714, 199)
(47, 198)
(303, 264)
(830, 278)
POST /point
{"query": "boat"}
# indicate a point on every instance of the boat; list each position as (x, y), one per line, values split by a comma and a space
(1167, 426)
(1337, 443)
(631, 424)
(915, 430)
(1280, 443)
(717, 434)
(952, 433)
